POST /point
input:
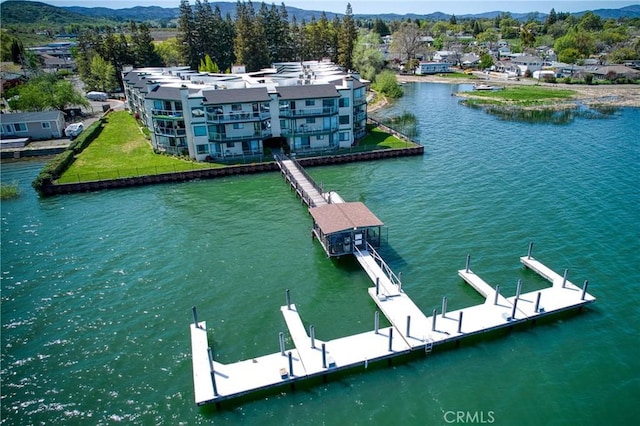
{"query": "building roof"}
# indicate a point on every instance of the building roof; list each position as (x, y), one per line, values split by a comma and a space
(337, 217)
(31, 117)
(165, 92)
(308, 91)
(235, 96)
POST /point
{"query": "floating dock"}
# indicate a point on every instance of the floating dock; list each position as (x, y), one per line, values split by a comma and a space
(410, 330)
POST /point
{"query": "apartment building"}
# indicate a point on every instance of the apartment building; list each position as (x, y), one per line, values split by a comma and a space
(310, 107)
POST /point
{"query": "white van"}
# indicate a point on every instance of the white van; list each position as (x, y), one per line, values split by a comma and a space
(97, 96)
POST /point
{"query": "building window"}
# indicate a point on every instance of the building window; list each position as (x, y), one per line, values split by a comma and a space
(320, 137)
(310, 102)
(236, 107)
(344, 102)
(158, 105)
(20, 127)
(231, 144)
(46, 125)
(202, 149)
(344, 119)
(237, 126)
(310, 120)
(199, 130)
(344, 136)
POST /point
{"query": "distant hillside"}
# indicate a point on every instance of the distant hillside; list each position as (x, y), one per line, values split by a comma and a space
(32, 12)
(38, 13)
(150, 13)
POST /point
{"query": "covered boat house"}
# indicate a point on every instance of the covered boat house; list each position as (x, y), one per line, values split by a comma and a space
(342, 228)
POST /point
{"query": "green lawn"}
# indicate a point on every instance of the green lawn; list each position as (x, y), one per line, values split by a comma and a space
(121, 150)
(380, 139)
(524, 94)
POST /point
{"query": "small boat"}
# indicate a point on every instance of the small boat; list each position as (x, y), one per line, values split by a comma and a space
(485, 87)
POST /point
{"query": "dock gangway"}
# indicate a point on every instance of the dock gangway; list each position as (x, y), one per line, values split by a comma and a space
(309, 191)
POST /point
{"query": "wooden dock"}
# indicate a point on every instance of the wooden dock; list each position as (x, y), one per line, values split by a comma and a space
(410, 330)
(306, 188)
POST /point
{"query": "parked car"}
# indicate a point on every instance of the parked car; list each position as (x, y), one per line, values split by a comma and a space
(73, 130)
(97, 96)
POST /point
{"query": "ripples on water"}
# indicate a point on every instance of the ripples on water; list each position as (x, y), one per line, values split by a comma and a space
(97, 288)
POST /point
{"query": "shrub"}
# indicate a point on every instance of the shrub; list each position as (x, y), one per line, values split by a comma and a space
(387, 84)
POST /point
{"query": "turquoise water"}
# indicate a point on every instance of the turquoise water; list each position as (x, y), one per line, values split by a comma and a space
(97, 288)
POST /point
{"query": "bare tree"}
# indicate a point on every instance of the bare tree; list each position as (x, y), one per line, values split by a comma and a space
(407, 40)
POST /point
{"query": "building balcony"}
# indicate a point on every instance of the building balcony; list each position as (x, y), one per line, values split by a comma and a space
(359, 100)
(169, 131)
(236, 117)
(166, 114)
(306, 130)
(223, 137)
(308, 112)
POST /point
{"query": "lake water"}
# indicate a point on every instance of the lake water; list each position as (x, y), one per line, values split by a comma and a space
(97, 288)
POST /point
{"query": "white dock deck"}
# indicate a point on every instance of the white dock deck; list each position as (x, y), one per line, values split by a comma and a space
(418, 332)
(375, 273)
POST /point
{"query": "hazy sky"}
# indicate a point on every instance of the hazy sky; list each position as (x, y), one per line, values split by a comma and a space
(401, 7)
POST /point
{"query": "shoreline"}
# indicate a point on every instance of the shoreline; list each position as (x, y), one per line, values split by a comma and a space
(615, 95)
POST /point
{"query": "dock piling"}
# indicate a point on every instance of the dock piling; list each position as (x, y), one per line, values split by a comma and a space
(288, 300)
(495, 299)
(433, 323)
(536, 309)
(377, 286)
(466, 268)
(444, 306)
(212, 372)
(376, 322)
(530, 248)
(518, 289)
(584, 289)
(312, 332)
(391, 339)
(513, 311)
(195, 317)
(460, 323)
(281, 343)
(408, 325)
(400, 282)
(290, 365)
(324, 355)
(564, 277)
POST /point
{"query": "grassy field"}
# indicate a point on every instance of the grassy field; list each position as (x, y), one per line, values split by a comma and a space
(121, 150)
(524, 94)
(380, 139)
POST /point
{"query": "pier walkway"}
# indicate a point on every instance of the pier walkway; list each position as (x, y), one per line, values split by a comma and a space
(310, 193)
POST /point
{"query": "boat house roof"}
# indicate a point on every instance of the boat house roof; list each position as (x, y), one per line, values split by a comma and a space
(337, 217)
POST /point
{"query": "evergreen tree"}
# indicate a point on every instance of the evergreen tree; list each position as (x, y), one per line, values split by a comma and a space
(144, 52)
(206, 29)
(250, 45)
(346, 39)
(380, 27)
(187, 35)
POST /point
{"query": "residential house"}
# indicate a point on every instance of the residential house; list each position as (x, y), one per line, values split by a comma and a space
(432, 68)
(309, 107)
(527, 63)
(34, 125)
